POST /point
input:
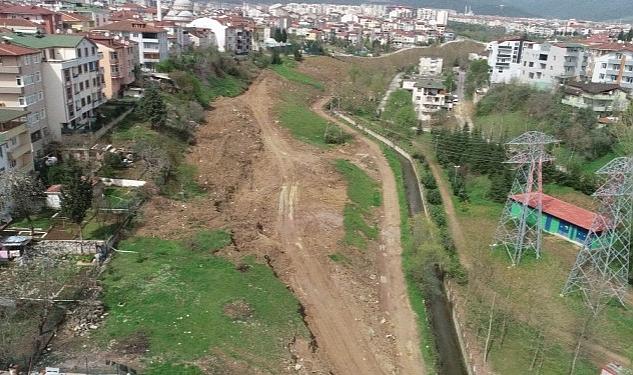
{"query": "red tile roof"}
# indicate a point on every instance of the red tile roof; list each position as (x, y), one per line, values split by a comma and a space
(54, 189)
(15, 50)
(24, 9)
(580, 217)
(131, 26)
(4, 22)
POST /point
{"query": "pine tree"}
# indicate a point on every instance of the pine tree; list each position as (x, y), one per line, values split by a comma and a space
(284, 36)
(629, 35)
(621, 35)
(153, 108)
(277, 35)
(76, 199)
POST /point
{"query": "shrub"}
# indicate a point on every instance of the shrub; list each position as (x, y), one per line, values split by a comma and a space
(438, 215)
(433, 196)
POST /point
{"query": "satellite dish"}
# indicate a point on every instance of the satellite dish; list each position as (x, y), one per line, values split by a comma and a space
(50, 160)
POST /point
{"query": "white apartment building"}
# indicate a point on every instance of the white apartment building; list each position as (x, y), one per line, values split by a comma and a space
(72, 80)
(547, 65)
(235, 39)
(430, 66)
(504, 58)
(428, 95)
(153, 45)
(614, 67)
(22, 88)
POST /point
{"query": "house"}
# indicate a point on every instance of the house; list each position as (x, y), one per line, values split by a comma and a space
(72, 80)
(22, 89)
(120, 57)
(599, 97)
(76, 22)
(429, 96)
(615, 67)
(15, 142)
(51, 21)
(153, 45)
(235, 38)
(430, 66)
(20, 25)
(13, 247)
(559, 217)
(54, 197)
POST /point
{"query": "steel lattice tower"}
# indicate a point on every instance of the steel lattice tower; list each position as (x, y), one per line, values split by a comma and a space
(602, 266)
(521, 233)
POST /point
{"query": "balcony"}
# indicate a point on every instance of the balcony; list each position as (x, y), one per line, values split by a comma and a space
(16, 152)
(11, 90)
(10, 69)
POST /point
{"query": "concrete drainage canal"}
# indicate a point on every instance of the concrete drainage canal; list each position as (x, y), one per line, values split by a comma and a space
(451, 360)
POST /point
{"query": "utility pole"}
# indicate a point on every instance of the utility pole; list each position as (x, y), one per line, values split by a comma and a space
(520, 226)
(601, 270)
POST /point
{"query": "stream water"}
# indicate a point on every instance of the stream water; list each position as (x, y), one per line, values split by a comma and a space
(439, 308)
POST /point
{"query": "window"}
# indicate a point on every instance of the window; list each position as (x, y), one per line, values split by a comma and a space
(604, 65)
(43, 114)
(83, 102)
(531, 64)
(36, 59)
(86, 68)
(18, 80)
(531, 75)
(86, 51)
(38, 77)
(81, 86)
(601, 76)
(40, 96)
(94, 51)
(36, 136)
(12, 163)
(78, 52)
(27, 60)
(79, 69)
(87, 83)
(14, 141)
(21, 101)
(88, 99)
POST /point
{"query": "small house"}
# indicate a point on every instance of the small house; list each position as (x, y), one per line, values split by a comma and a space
(12, 247)
(559, 217)
(599, 97)
(54, 197)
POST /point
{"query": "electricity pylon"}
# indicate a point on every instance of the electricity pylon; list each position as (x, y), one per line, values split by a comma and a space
(520, 228)
(602, 266)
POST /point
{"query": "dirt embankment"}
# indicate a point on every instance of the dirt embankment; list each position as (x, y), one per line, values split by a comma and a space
(283, 201)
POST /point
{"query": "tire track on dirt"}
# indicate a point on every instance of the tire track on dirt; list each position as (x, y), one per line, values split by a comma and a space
(338, 333)
(394, 297)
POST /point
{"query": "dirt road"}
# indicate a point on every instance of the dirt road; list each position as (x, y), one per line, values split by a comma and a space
(394, 297)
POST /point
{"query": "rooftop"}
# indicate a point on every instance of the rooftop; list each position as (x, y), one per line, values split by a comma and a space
(591, 87)
(429, 83)
(7, 115)
(131, 26)
(578, 216)
(25, 9)
(44, 40)
(7, 49)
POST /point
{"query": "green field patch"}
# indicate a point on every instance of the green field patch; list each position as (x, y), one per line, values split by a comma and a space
(363, 194)
(183, 184)
(183, 301)
(288, 70)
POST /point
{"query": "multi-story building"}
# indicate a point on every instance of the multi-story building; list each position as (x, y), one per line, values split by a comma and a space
(504, 58)
(51, 21)
(120, 57)
(229, 38)
(599, 97)
(153, 45)
(22, 89)
(73, 80)
(430, 66)
(546, 65)
(615, 67)
(429, 96)
(15, 143)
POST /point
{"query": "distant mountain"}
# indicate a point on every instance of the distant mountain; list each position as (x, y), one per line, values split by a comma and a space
(579, 9)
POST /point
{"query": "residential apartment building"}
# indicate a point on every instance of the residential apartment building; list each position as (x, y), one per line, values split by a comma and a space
(15, 143)
(73, 80)
(546, 65)
(22, 89)
(120, 57)
(153, 45)
(615, 67)
(430, 66)
(599, 97)
(504, 58)
(229, 38)
(51, 21)
(429, 96)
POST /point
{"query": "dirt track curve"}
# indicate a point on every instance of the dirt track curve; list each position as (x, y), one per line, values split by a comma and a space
(341, 336)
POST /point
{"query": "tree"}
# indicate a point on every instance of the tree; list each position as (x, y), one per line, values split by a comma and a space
(298, 55)
(284, 36)
(76, 199)
(449, 81)
(153, 108)
(21, 195)
(277, 35)
(476, 77)
(276, 59)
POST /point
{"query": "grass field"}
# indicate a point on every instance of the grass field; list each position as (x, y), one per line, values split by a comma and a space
(288, 70)
(41, 220)
(505, 125)
(363, 194)
(188, 303)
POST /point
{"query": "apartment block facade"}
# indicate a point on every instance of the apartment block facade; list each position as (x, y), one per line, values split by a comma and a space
(614, 67)
(15, 143)
(504, 59)
(120, 57)
(430, 66)
(153, 45)
(22, 89)
(546, 65)
(72, 77)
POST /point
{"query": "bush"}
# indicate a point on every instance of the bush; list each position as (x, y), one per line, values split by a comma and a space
(428, 181)
(438, 216)
(433, 196)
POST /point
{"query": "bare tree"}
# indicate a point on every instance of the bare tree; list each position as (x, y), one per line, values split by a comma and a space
(21, 195)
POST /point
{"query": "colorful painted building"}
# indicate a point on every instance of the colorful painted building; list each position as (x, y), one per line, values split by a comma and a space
(559, 217)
